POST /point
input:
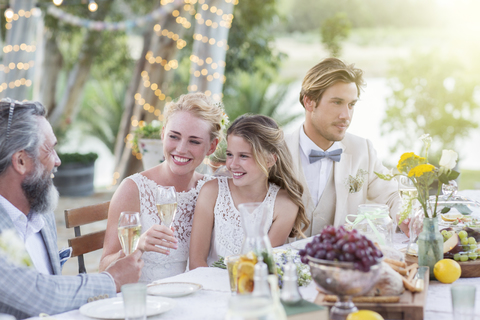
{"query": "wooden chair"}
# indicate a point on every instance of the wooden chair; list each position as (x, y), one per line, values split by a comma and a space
(81, 244)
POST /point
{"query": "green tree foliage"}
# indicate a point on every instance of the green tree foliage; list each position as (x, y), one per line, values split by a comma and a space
(113, 59)
(309, 15)
(101, 112)
(334, 30)
(250, 38)
(430, 94)
(257, 94)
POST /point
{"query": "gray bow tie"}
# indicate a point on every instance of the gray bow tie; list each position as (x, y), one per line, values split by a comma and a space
(317, 155)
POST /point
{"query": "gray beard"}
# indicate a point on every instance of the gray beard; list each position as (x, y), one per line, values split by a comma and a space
(40, 191)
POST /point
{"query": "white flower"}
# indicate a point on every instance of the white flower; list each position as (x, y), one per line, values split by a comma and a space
(355, 184)
(427, 140)
(449, 159)
(13, 248)
(156, 124)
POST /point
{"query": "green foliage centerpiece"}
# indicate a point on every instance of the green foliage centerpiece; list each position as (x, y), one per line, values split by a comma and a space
(423, 175)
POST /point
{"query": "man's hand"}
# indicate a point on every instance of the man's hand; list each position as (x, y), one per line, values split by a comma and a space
(404, 227)
(126, 269)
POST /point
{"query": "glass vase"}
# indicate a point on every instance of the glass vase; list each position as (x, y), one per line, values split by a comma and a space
(256, 244)
(430, 244)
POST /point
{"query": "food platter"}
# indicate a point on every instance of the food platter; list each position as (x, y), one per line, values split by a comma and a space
(411, 305)
(470, 269)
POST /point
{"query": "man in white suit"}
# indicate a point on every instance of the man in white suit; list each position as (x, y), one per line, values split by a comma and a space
(27, 199)
(325, 155)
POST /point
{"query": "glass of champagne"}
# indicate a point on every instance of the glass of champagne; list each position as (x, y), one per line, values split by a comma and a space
(166, 201)
(129, 229)
(409, 195)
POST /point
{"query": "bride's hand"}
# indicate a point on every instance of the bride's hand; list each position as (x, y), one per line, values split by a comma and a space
(158, 235)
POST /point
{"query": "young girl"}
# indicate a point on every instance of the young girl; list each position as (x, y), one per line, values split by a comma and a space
(261, 168)
(191, 131)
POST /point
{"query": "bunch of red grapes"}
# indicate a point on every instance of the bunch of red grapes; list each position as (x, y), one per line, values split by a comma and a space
(338, 244)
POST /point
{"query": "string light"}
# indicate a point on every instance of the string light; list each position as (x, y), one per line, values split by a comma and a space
(57, 2)
(171, 35)
(16, 83)
(9, 14)
(20, 66)
(92, 6)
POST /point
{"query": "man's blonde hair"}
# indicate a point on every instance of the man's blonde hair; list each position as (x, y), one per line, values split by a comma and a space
(325, 74)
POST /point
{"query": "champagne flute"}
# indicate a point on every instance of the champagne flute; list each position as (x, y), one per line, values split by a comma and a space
(129, 229)
(166, 201)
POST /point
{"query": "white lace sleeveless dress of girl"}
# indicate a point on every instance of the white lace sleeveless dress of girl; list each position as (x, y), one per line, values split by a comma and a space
(158, 266)
(227, 234)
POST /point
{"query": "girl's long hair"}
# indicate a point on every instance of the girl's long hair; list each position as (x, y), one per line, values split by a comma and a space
(267, 141)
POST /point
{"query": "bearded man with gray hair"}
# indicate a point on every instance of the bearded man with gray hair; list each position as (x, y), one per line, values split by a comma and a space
(28, 197)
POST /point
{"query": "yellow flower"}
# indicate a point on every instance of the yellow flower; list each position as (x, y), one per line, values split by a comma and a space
(418, 171)
(409, 160)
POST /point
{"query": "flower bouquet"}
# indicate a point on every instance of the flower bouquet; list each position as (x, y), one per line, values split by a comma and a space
(12, 247)
(423, 174)
(303, 271)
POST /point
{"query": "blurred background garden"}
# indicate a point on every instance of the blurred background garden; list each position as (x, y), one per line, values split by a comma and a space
(106, 72)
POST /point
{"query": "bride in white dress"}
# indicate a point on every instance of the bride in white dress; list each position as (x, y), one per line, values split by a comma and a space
(261, 168)
(192, 130)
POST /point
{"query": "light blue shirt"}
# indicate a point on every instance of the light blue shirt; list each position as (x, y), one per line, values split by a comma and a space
(317, 173)
(28, 228)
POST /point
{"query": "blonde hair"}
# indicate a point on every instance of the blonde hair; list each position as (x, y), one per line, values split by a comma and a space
(202, 107)
(267, 141)
(327, 73)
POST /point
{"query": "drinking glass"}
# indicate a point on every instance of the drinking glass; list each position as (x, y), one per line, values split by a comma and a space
(231, 262)
(135, 301)
(409, 193)
(166, 201)
(129, 229)
(463, 301)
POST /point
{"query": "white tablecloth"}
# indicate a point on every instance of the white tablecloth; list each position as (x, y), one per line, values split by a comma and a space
(211, 303)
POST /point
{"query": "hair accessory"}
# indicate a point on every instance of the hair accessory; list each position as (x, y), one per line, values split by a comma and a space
(225, 121)
(10, 117)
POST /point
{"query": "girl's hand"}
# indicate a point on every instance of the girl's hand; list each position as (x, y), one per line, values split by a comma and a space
(158, 239)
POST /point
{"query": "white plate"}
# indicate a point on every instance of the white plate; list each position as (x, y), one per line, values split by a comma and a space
(113, 308)
(300, 244)
(173, 289)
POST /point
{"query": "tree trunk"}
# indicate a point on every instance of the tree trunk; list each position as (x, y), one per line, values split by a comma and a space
(68, 106)
(210, 48)
(147, 73)
(21, 34)
(52, 65)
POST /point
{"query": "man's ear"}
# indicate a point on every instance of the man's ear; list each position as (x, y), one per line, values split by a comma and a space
(21, 162)
(309, 104)
(213, 146)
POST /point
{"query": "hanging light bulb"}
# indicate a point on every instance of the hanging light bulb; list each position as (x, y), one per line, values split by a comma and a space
(92, 6)
(9, 13)
(57, 2)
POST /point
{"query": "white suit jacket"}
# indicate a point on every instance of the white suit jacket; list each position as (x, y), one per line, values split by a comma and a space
(358, 153)
(24, 292)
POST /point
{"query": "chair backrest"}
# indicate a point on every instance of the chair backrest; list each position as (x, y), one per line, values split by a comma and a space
(81, 244)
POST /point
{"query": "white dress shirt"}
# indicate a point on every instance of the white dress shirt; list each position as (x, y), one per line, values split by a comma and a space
(317, 173)
(28, 228)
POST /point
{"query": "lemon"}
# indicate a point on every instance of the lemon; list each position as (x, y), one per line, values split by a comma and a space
(250, 256)
(246, 268)
(364, 315)
(245, 284)
(447, 270)
(451, 217)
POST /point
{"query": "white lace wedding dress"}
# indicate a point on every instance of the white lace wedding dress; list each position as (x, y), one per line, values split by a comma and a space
(227, 235)
(157, 265)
